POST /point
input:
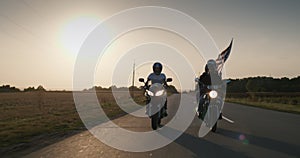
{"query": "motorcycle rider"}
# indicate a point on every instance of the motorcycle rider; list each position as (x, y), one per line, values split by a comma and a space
(157, 77)
(208, 77)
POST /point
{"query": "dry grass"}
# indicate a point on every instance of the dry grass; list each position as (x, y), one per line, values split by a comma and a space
(25, 115)
(28, 115)
(283, 104)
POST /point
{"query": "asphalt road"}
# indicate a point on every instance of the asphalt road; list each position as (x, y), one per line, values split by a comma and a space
(255, 133)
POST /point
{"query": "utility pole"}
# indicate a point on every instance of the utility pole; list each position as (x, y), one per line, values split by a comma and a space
(133, 74)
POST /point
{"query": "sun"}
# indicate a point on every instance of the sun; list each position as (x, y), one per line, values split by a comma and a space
(74, 32)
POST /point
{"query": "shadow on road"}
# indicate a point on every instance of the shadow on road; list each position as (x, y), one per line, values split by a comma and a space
(202, 148)
(271, 144)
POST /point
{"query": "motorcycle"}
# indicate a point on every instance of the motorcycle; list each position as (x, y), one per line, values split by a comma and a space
(156, 99)
(212, 107)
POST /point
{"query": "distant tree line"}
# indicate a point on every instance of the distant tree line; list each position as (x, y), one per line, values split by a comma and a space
(8, 88)
(251, 84)
(170, 89)
(264, 84)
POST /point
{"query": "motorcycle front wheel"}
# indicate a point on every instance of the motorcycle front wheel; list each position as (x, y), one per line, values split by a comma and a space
(155, 120)
(214, 128)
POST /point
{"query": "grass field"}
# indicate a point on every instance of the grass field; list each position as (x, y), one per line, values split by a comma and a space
(28, 117)
(286, 102)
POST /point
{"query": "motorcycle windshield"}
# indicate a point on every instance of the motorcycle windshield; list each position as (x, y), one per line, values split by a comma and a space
(158, 98)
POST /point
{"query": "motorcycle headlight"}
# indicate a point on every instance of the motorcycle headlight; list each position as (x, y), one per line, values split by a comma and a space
(213, 94)
(159, 93)
(150, 93)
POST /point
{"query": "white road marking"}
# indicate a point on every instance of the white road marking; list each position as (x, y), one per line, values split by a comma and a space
(227, 119)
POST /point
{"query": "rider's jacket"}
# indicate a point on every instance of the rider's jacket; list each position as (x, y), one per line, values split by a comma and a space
(161, 78)
(206, 79)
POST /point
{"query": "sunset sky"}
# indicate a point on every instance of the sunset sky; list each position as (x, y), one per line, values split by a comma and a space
(39, 40)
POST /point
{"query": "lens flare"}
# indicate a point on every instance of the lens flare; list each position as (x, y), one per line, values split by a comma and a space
(244, 140)
(242, 137)
(74, 32)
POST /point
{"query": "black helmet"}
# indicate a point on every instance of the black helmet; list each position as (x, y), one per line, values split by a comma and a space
(157, 68)
(211, 65)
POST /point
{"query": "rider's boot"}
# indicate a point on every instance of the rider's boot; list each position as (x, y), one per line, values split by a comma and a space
(165, 110)
(200, 111)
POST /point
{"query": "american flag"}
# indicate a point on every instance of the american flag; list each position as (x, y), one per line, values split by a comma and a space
(223, 56)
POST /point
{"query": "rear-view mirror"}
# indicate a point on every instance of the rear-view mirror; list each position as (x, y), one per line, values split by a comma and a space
(141, 80)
